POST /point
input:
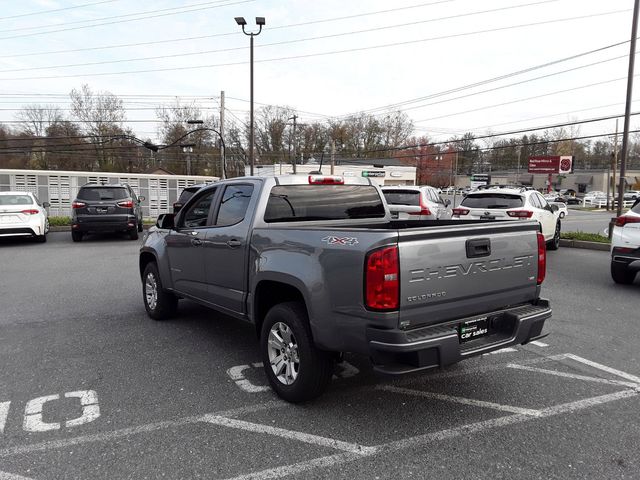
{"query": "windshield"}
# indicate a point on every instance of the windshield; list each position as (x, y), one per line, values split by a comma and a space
(492, 200)
(297, 203)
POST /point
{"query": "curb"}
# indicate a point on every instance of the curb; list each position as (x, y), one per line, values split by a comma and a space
(604, 247)
(67, 228)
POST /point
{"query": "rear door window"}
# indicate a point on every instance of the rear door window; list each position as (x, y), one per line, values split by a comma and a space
(234, 203)
(492, 200)
(97, 194)
(298, 203)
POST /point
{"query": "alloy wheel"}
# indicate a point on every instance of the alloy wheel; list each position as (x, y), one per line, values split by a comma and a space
(283, 353)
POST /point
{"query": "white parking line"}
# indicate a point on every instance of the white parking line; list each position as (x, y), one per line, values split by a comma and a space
(502, 350)
(290, 434)
(124, 432)
(422, 440)
(604, 368)
(462, 400)
(12, 476)
(573, 375)
(539, 344)
(4, 413)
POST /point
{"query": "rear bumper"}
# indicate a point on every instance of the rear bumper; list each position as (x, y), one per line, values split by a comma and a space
(112, 223)
(630, 259)
(398, 351)
(18, 232)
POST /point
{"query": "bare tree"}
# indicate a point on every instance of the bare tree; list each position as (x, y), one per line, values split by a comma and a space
(35, 121)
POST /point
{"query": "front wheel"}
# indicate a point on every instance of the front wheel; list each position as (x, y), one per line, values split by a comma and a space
(297, 370)
(561, 214)
(554, 244)
(621, 274)
(159, 303)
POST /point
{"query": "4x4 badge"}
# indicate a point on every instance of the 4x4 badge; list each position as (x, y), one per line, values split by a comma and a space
(331, 240)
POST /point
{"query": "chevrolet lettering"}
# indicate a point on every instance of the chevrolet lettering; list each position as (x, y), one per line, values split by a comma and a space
(460, 269)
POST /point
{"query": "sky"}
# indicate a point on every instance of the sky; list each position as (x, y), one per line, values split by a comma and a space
(328, 59)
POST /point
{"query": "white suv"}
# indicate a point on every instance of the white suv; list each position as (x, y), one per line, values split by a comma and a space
(512, 203)
(22, 214)
(625, 246)
(430, 203)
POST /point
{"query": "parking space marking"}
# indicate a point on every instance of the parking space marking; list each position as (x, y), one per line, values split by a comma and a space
(422, 440)
(33, 421)
(539, 344)
(343, 370)
(12, 476)
(462, 400)
(289, 434)
(502, 350)
(573, 375)
(4, 413)
(604, 368)
(124, 432)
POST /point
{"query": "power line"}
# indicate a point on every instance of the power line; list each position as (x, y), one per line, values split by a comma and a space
(511, 102)
(278, 27)
(21, 15)
(285, 42)
(130, 20)
(333, 52)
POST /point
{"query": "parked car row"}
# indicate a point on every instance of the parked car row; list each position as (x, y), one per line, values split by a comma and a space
(625, 246)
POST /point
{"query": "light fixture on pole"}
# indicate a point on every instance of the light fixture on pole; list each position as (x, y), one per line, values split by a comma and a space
(243, 23)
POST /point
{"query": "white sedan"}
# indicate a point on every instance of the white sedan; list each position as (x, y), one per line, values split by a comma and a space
(625, 246)
(22, 214)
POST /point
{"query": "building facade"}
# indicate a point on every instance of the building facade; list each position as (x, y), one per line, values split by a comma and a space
(60, 188)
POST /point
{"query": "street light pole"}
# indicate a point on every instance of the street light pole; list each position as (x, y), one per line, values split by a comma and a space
(242, 22)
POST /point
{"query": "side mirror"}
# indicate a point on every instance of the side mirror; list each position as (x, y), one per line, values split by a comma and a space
(140, 198)
(46, 204)
(165, 221)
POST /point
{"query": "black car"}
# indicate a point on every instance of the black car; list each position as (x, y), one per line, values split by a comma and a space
(186, 194)
(106, 208)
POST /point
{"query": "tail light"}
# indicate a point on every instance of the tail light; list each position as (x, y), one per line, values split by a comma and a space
(520, 213)
(424, 210)
(624, 219)
(77, 204)
(460, 211)
(30, 212)
(382, 287)
(542, 258)
(325, 180)
(125, 204)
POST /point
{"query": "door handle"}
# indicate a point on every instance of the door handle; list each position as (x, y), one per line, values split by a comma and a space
(234, 242)
(196, 242)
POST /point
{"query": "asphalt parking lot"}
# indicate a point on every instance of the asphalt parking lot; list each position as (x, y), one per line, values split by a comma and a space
(90, 387)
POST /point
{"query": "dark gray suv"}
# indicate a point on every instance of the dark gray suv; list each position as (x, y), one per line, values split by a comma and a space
(106, 208)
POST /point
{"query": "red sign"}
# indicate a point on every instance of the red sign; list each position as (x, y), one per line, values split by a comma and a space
(551, 164)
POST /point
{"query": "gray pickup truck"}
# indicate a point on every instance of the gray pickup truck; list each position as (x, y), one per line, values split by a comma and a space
(319, 267)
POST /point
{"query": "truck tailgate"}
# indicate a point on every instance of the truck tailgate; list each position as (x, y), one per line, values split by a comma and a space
(457, 271)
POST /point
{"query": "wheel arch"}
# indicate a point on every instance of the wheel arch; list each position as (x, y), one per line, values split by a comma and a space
(269, 293)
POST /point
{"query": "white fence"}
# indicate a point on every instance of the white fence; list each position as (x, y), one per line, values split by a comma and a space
(599, 202)
(60, 188)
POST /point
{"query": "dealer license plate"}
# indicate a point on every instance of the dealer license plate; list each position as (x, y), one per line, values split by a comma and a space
(478, 327)
(487, 217)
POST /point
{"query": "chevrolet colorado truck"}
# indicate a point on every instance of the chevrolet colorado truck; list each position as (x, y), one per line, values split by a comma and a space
(318, 266)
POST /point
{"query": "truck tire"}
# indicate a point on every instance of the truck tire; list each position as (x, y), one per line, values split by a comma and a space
(297, 370)
(159, 303)
(76, 236)
(621, 274)
(554, 244)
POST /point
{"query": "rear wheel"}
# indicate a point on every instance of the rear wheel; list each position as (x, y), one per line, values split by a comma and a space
(76, 236)
(561, 214)
(554, 244)
(140, 226)
(133, 234)
(41, 238)
(621, 274)
(159, 303)
(295, 368)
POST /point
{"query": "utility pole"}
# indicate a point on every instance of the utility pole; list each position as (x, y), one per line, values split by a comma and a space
(333, 155)
(614, 167)
(295, 142)
(627, 111)
(222, 172)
